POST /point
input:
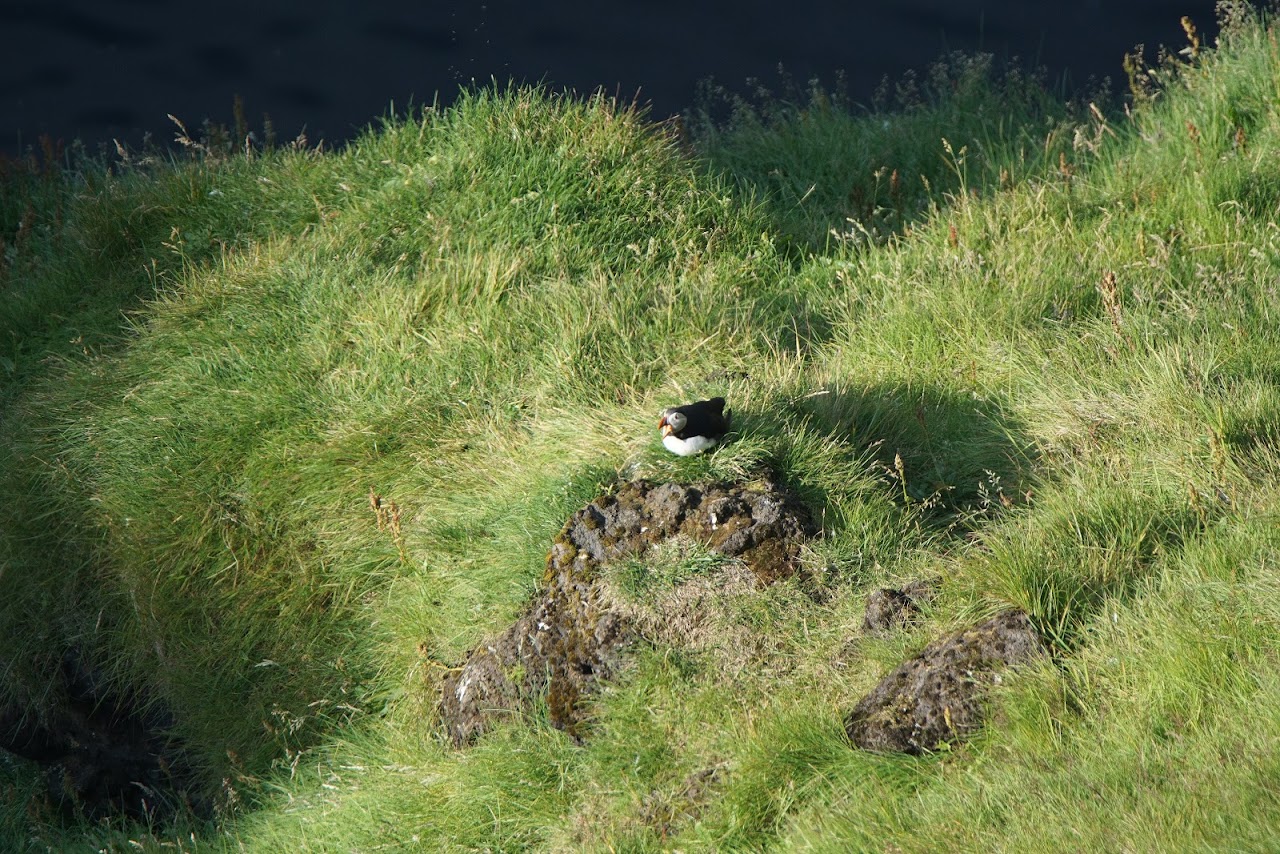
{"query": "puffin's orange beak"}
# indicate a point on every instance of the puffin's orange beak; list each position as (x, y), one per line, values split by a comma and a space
(664, 427)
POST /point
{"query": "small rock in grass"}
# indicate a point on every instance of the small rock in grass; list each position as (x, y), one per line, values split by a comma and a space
(890, 608)
(937, 697)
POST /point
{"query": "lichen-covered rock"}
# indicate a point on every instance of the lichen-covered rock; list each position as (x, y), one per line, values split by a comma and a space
(763, 524)
(569, 637)
(561, 644)
(891, 608)
(937, 697)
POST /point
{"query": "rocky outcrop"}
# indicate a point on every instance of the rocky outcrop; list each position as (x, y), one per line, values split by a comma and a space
(570, 637)
(938, 696)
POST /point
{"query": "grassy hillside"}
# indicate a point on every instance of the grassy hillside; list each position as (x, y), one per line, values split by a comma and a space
(284, 434)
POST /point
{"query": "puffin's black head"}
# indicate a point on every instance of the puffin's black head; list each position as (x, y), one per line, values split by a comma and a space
(672, 421)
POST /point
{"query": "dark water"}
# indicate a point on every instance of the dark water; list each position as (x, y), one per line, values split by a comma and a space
(115, 68)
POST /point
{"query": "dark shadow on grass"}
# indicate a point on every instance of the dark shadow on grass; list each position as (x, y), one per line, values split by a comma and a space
(961, 463)
(956, 460)
(103, 754)
(1083, 553)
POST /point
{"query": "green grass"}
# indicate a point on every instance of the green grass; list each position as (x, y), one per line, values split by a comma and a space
(1039, 365)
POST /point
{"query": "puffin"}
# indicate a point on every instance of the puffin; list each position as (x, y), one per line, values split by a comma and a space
(694, 427)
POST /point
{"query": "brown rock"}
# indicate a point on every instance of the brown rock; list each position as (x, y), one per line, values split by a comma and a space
(889, 609)
(569, 638)
(937, 697)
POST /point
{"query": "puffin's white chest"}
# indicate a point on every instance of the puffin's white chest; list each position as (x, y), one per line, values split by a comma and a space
(688, 447)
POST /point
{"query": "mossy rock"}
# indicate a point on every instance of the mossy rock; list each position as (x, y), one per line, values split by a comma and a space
(568, 638)
(890, 608)
(937, 698)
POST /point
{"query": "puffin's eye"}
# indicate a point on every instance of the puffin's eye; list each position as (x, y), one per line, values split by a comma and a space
(677, 420)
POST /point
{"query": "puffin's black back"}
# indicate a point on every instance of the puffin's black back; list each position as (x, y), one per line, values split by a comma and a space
(705, 418)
